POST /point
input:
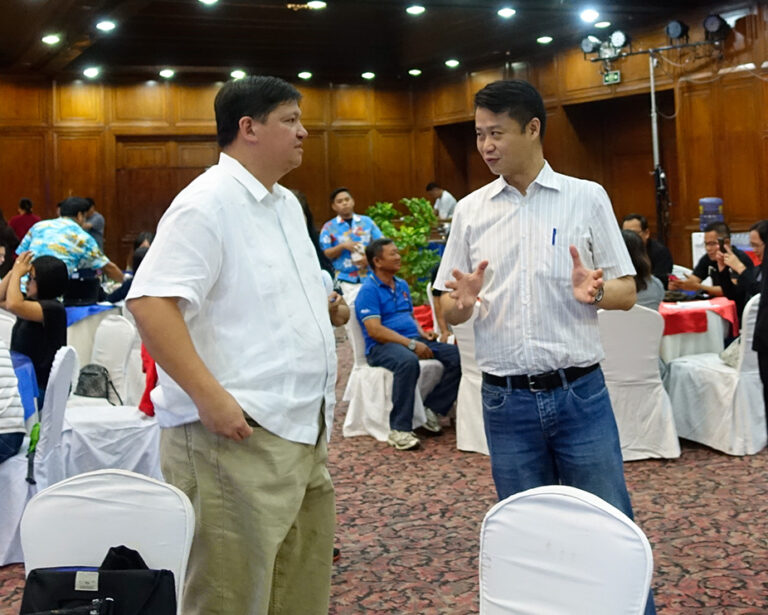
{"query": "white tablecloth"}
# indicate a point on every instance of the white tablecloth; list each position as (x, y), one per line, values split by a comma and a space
(711, 340)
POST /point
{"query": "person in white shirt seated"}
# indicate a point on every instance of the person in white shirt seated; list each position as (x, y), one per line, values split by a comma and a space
(11, 411)
(444, 201)
(650, 290)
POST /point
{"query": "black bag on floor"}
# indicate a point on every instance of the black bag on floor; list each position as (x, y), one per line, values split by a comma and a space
(122, 585)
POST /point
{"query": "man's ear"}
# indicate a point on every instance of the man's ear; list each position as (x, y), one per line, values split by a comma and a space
(248, 128)
(533, 127)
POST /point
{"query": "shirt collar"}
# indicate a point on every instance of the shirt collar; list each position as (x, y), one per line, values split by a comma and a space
(235, 168)
(380, 283)
(546, 178)
(355, 218)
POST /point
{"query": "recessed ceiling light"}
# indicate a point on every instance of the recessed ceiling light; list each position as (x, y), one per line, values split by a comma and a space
(594, 39)
(368, 75)
(415, 9)
(506, 12)
(51, 39)
(305, 74)
(544, 40)
(106, 25)
(208, 2)
(167, 73)
(316, 5)
(451, 63)
(91, 72)
(589, 15)
(414, 72)
(237, 74)
(603, 24)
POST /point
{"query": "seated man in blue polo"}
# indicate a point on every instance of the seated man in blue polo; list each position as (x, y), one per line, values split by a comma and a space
(344, 238)
(395, 341)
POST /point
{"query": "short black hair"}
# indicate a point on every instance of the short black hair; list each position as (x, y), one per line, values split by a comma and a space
(642, 219)
(25, 205)
(721, 228)
(138, 256)
(375, 248)
(51, 276)
(432, 186)
(518, 98)
(338, 191)
(142, 237)
(70, 207)
(761, 226)
(254, 97)
(639, 257)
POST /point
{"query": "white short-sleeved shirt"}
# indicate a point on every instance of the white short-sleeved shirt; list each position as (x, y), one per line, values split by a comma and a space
(240, 259)
(529, 322)
(445, 204)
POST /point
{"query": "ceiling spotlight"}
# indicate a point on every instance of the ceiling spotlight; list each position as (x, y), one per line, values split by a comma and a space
(368, 75)
(589, 15)
(716, 28)
(603, 24)
(544, 40)
(414, 72)
(305, 74)
(451, 63)
(91, 72)
(106, 25)
(51, 39)
(619, 39)
(590, 44)
(237, 74)
(316, 5)
(506, 12)
(415, 9)
(208, 2)
(167, 73)
(677, 29)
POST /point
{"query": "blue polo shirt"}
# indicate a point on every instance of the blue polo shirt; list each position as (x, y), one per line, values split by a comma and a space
(337, 230)
(394, 307)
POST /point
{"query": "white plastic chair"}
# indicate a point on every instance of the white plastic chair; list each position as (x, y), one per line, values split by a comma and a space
(15, 491)
(717, 405)
(6, 327)
(642, 408)
(562, 551)
(470, 427)
(76, 521)
(369, 391)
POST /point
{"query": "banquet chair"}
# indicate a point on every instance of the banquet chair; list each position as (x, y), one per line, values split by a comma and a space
(717, 405)
(435, 324)
(562, 551)
(76, 521)
(642, 408)
(470, 429)
(6, 326)
(48, 468)
(369, 391)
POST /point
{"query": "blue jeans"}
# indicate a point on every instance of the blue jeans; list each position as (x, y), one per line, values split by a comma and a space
(567, 436)
(404, 365)
(10, 443)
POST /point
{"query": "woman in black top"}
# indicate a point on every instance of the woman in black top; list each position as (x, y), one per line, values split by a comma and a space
(41, 324)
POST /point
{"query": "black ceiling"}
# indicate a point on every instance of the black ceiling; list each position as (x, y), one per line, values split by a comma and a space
(336, 44)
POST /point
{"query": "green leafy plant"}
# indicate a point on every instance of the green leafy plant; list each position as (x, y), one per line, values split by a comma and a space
(410, 233)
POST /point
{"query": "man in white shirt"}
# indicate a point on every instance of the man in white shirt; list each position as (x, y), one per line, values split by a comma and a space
(551, 254)
(230, 303)
(444, 201)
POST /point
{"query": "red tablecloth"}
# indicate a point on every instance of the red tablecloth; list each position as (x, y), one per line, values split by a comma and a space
(691, 316)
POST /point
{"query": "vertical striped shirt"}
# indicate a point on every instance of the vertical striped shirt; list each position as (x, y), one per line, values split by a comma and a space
(529, 320)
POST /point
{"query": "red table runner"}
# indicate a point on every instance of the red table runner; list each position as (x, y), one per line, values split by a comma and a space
(691, 316)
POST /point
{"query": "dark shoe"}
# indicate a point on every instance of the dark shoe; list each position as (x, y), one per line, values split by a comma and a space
(336, 554)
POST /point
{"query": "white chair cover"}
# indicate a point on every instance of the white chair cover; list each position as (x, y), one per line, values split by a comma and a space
(15, 491)
(631, 367)
(562, 551)
(81, 334)
(470, 428)
(369, 391)
(717, 405)
(6, 326)
(76, 521)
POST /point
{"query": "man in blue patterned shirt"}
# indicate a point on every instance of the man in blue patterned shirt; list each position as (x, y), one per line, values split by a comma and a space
(344, 239)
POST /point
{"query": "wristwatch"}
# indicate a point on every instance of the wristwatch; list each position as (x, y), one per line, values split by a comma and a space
(599, 295)
(412, 345)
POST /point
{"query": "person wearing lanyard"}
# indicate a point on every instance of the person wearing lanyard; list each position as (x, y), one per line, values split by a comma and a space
(550, 252)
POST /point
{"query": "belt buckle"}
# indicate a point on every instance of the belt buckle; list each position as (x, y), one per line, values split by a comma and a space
(532, 384)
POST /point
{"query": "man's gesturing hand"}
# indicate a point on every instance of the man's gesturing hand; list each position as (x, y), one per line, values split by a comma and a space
(465, 287)
(586, 282)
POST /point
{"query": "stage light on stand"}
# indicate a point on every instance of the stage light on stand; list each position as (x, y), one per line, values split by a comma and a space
(677, 30)
(716, 28)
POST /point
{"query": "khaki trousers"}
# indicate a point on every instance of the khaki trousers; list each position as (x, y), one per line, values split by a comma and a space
(265, 516)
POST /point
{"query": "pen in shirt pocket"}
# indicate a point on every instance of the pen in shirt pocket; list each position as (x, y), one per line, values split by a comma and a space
(554, 234)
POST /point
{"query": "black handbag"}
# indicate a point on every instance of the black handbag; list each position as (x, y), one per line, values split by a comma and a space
(94, 381)
(122, 585)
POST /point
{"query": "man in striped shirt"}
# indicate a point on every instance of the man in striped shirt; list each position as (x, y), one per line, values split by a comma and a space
(541, 252)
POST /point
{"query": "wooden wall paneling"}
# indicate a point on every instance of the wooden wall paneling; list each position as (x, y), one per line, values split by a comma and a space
(423, 159)
(315, 105)
(193, 105)
(24, 103)
(453, 142)
(392, 164)
(350, 164)
(479, 79)
(451, 102)
(78, 104)
(142, 103)
(579, 137)
(312, 176)
(544, 77)
(352, 105)
(579, 78)
(423, 111)
(198, 154)
(132, 154)
(23, 171)
(77, 165)
(108, 205)
(393, 108)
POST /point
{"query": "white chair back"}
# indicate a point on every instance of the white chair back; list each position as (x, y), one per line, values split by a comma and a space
(76, 521)
(112, 344)
(631, 341)
(558, 549)
(6, 327)
(748, 357)
(355, 333)
(431, 297)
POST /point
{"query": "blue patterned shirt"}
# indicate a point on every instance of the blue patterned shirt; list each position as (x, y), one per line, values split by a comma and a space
(66, 240)
(337, 230)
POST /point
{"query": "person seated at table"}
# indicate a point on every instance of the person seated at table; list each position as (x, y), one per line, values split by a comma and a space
(11, 411)
(65, 239)
(394, 340)
(650, 290)
(143, 240)
(121, 292)
(41, 320)
(344, 239)
(658, 253)
(707, 265)
(748, 280)
(443, 201)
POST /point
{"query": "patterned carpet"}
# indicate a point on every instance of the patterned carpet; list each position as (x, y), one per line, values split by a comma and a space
(408, 526)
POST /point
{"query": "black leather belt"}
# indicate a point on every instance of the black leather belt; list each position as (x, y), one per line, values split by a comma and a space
(540, 382)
